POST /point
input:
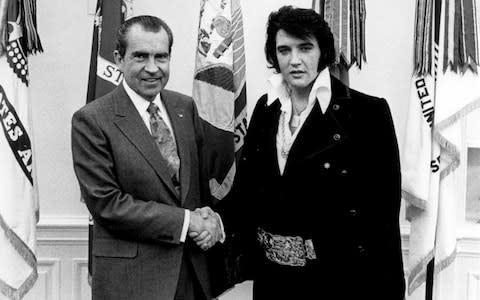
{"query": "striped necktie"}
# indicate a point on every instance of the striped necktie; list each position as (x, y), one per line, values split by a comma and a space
(165, 142)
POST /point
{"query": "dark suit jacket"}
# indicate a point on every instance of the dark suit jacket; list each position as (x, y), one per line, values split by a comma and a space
(138, 218)
(340, 188)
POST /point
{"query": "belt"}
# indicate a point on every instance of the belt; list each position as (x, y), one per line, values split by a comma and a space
(286, 250)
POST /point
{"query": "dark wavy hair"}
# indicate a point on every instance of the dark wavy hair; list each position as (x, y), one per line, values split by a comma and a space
(303, 24)
(148, 23)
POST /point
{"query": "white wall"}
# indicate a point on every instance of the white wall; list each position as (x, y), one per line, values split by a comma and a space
(58, 88)
(59, 76)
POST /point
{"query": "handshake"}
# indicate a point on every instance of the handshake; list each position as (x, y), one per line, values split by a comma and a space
(205, 227)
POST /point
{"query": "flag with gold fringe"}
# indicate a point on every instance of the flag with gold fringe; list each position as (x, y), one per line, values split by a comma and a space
(19, 209)
(443, 93)
(346, 19)
(219, 88)
(104, 75)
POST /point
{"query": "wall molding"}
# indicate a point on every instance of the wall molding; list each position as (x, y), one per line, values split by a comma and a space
(73, 230)
(49, 277)
(79, 273)
(62, 243)
(65, 230)
(62, 221)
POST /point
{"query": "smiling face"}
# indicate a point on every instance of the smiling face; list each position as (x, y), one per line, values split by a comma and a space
(146, 63)
(297, 59)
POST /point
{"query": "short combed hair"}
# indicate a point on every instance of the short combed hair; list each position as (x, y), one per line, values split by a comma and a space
(148, 23)
(303, 24)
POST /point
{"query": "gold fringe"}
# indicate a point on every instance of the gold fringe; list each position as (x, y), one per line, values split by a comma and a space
(448, 149)
(413, 200)
(32, 40)
(29, 257)
(442, 265)
(418, 274)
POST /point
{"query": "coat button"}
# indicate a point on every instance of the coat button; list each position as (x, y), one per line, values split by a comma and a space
(353, 212)
(336, 137)
(326, 165)
(360, 249)
(344, 172)
(336, 107)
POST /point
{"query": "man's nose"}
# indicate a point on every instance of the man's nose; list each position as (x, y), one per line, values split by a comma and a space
(295, 58)
(151, 66)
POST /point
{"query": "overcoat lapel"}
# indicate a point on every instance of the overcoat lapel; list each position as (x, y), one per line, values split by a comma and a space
(132, 126)
(322, 131)
(271, 129)
(177, 117)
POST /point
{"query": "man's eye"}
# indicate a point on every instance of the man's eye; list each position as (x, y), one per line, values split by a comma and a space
(140, 57)
(163, 57)
(283, 51)
(306, 48)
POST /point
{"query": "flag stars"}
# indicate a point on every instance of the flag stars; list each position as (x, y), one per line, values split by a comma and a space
(17, 61)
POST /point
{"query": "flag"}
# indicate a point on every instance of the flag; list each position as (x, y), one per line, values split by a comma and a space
(441, 96)
(346, 19)
(104, 74)
(19, 209)
(219, 88)
(420, 159)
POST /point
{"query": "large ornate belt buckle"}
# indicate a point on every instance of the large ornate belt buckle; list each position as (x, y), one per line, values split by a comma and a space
(286, 250)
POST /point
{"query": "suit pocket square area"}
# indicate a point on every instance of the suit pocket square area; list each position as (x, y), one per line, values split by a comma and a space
(114, 248)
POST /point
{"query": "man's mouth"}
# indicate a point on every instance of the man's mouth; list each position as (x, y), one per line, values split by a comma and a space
(297, 73)
(151, 79)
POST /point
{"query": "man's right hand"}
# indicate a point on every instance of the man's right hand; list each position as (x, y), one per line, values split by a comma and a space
(204, 227)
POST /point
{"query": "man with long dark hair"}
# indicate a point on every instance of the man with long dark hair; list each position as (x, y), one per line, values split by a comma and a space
(316, 199)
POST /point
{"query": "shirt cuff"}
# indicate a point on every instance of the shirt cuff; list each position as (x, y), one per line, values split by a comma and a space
(186, 223)
(222, 238)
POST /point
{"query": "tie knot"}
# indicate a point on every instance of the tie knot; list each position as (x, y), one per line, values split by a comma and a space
(152, 108)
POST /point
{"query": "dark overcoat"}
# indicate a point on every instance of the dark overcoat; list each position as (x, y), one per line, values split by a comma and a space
(137, 253)
(340, 188)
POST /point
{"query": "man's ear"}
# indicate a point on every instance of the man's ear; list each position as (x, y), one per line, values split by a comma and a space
(118, 58)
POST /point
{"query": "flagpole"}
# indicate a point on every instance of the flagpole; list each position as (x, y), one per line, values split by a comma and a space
(429, 280)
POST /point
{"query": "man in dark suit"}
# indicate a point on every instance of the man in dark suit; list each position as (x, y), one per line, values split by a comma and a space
(136, 154)
(319, 178)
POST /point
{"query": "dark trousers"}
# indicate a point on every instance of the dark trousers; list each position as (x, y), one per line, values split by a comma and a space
(188, 287)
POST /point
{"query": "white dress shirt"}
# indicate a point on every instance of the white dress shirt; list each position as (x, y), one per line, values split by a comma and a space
(321, 91)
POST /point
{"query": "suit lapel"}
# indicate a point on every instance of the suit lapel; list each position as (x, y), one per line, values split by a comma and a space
(322, 131)
(177, 116)
(132, 126)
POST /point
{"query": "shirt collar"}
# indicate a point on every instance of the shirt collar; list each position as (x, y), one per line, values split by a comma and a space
(141, 104)
(321, 90)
